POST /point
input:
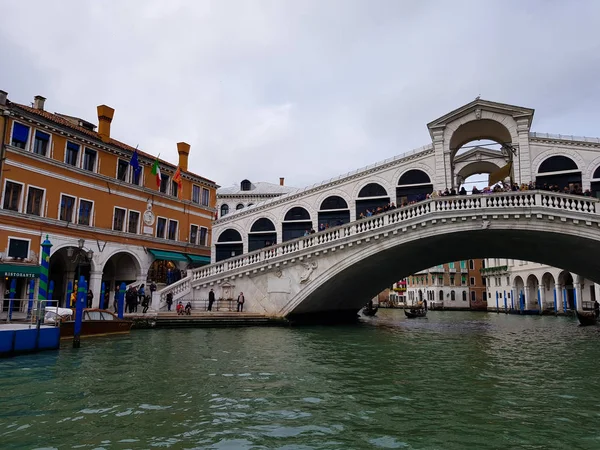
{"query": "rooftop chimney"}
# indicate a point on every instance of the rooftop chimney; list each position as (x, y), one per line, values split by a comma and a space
(281, 181)
(105, 117)
(183, 149)
(3, 95)
(38, 102)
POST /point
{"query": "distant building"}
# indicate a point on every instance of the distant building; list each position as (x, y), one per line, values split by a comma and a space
(447, 286)
(108, 218)
(234, 198)
(527, 286)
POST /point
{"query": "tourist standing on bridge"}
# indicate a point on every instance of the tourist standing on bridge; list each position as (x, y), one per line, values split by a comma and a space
(240, 302)
(211, 299)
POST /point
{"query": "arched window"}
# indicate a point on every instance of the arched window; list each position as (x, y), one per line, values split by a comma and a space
(414, 176)
(262, 224)
(464, 296)
(413, 186)
(557, 164)
(334, 202)
(452, 295)
(240, 206)
(473, 296)
(230, 235)
(297, 213)
(441, 294)
(245, 185)
(262, 234)
(224, 210)
(372, 190)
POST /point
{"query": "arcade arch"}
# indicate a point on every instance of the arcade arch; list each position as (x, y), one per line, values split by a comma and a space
(333, 211)
(295, 223)
(413, 186)
(559, 170)
(262, 234)
(371, 197)
(565, 280)
(532, 292)
(229, 244)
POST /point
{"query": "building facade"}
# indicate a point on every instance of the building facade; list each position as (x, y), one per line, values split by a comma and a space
(523, 286)
(448, 286)
(98, 202)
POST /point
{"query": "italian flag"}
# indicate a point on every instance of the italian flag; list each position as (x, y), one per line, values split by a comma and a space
(156, 171)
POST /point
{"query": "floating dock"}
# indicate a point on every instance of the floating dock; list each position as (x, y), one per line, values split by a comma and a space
(205, 319)
(19, 338)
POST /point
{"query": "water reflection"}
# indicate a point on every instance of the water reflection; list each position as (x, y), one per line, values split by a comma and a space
(451, 381)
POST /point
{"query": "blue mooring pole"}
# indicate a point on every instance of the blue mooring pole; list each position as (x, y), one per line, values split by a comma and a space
(121, 300)
(497, 307)
(69, 292)
(11, 297)
(522, 301)
(540, 301)
(504, 302)
(565, 300)
(102, 291)
(30, 302)
(575, 299)
(79, 306)
(51, 292)
(555, 303)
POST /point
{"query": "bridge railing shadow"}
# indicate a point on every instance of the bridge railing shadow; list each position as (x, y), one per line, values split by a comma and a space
(504, 200)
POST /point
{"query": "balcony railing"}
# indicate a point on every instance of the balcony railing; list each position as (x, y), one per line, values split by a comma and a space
(493, 270)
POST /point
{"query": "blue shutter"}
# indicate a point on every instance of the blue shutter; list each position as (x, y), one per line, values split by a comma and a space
(20, 132)
(42, 136)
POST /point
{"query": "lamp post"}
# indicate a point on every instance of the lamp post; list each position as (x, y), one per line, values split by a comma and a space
(80, 257)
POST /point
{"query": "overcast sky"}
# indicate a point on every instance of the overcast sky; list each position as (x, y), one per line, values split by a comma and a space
(302, 89)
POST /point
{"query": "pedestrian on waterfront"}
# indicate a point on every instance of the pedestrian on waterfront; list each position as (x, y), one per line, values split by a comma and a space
(596, 308)
(188, 309)
(180, 309)
(169, 301)
(152, 287)
(211, 299)
(90, 298)
(240, 302)
(145, 303)
(141, 293)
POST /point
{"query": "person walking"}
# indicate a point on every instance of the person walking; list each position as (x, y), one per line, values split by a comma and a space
(141, 293)
(240, 302)
(211, 299)
(90, 298)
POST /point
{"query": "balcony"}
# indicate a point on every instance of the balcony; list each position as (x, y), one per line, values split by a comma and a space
(496, 270)
(452, 269)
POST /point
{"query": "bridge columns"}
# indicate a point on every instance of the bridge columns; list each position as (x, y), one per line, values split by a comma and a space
(578, 296)
(522, 160)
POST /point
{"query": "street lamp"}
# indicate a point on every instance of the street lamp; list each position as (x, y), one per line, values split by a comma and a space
(81, 257)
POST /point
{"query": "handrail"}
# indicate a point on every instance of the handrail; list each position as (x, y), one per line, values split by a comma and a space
(458, 203)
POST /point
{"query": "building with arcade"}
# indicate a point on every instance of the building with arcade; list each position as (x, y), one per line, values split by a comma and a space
(99, 202)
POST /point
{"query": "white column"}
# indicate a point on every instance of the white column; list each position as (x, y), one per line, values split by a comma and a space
(96, 287)
(526, 293)
(578, 296)
(559, 296)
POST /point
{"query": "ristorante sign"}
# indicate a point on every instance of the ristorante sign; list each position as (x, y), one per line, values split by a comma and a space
(16, 271)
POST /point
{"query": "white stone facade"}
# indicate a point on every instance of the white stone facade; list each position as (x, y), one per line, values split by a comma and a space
(514, 285)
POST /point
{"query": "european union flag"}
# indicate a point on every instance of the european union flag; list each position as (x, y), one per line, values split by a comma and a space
(134, 162)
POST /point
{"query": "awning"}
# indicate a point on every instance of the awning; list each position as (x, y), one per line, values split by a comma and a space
(19, 271)
(167, 256)
(198, 259)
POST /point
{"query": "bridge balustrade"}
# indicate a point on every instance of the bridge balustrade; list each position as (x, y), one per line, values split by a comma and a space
(504, 200)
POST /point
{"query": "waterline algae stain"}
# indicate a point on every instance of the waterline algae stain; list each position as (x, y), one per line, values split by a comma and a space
(453, 381)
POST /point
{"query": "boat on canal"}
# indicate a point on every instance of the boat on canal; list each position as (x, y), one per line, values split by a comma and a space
(415, 312)
(586, 318)
(96, 322)
(370, 310)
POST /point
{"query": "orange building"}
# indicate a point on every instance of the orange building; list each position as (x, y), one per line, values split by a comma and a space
(105, 215)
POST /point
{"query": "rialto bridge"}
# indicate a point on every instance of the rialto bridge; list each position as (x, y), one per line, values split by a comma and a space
(264, 252)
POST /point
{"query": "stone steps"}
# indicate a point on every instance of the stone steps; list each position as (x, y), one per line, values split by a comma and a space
(202, 320)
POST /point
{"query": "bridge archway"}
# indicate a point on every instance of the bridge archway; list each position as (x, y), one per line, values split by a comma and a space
(262, 234)
(334, 211)
(413, 186)
(548, 285)
(229, 244)
(370, 197)
(559, 170)
(295, 223)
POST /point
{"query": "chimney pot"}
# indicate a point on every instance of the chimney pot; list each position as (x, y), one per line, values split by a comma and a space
(281, 180)
(3, 97)
(105, 117)
(183, 148)
(38, 102)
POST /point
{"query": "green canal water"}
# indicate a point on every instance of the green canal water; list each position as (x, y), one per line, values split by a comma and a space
(452, 381)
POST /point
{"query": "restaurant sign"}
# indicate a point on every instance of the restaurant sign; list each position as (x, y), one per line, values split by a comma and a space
(19, 271)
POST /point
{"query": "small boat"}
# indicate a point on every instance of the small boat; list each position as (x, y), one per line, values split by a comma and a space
(586, 318)
(96, 322)
(370, 311)
(415, 313)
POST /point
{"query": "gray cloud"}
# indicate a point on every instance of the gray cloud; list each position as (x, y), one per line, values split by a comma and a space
(306, 90)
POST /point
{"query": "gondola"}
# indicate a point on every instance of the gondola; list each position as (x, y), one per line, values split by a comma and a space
(586, 318)
(370, 311)
(415, 313)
